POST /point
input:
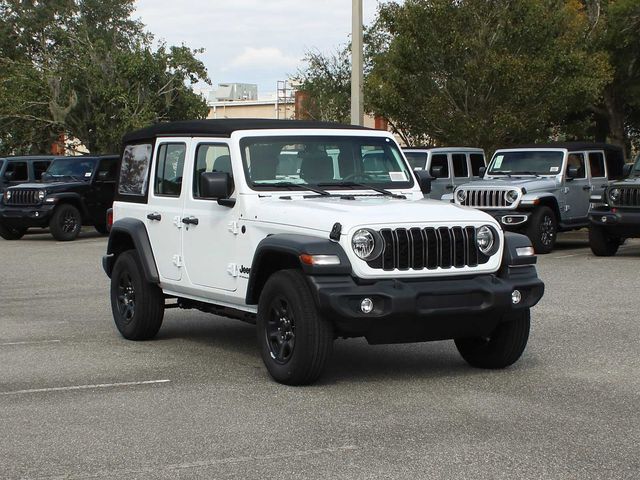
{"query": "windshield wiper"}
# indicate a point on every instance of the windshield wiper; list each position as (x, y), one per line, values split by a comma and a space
(364, 186)
(525, 172)
(304, 186)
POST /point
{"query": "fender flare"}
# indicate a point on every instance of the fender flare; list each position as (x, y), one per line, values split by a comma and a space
(287, 248)
(127, 233)
(76, 197)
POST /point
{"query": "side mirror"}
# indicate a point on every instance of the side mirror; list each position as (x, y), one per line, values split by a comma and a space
(9, 176)
(216, 186)
(424, 180)
(482, 171)
(437, 172)
(626, 169)
(572, 172)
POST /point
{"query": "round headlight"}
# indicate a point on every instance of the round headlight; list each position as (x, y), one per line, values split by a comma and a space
(614, 194)
(7, 194)
(363, 243)
(461, 195)
(485, 239)
(511, 196)
(41, 194)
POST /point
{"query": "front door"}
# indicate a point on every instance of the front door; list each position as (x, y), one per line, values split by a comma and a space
(443, 184)
(164, 209)
(578, 190)
(212, 233)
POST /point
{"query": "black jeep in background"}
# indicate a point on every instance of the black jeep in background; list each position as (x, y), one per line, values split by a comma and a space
(74, 191)
(616, 214)
(23, 169)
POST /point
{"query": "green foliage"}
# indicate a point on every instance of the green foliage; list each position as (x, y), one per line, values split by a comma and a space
(483, 73)
(85, 69)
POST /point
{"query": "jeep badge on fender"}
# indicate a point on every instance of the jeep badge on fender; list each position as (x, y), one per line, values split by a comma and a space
(313, 231)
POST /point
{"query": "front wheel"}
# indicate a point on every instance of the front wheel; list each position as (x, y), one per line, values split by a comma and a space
(295, 340)
(65, 223)
(500, 349)
(542, 230)
(137, 305)
(11, 233)
(602, 244)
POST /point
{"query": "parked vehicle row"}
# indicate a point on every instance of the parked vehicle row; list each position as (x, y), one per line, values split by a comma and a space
(72, 192)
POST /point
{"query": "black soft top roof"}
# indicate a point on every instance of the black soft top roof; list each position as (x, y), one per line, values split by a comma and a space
(224, 127)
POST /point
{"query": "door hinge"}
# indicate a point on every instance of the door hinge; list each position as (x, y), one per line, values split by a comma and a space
(233, 227)
(177, 221)
(567, 208)
(177, 261)
(233, 270)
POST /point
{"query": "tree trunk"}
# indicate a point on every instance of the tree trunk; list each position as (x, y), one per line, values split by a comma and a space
(615, 118)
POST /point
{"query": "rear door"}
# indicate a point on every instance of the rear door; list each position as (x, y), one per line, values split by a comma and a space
(597, 172)
(578, 190)
(164, 208)
(212, 235)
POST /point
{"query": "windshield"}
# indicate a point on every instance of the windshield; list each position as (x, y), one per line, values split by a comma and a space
(417, 160)
(635, 171)
(75, 168)
(526, 162)
(292, 162)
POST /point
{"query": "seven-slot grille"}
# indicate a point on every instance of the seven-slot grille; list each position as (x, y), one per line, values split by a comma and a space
(23, 197)
(629, 197)
(486, 198)
(431, 248)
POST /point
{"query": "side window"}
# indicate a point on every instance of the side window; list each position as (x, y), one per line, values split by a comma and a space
(169, 167)
(459, 161)
(596, 164)
(39, 168)
(210, 157)
(17, 172)
(107, 170)
(440, 160)
(134, 171)
(577, 160)
(477, 162)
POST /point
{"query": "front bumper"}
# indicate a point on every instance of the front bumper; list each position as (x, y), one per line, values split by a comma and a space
(421, 310)
(26, 216)
(618, 222)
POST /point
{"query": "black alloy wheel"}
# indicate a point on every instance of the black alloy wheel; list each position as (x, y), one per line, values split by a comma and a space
(65, 223)
(542, 230)
(11, 233)
(126, 298)
(281, 331)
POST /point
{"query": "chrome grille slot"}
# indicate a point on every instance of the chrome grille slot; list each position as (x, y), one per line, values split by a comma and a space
(629, 197)
(23, 197)
(430, 248)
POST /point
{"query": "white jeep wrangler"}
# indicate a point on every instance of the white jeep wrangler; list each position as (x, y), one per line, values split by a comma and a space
(313, 231)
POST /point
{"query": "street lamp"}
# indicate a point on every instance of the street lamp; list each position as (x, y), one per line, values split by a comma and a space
(357, 112)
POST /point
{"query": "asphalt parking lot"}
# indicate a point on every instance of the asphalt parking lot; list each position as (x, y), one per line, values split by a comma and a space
(78, 401)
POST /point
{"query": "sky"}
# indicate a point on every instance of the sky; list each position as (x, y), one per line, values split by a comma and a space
(252, 41)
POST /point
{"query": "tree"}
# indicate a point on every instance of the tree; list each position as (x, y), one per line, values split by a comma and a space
(483, 73)
(84, 69)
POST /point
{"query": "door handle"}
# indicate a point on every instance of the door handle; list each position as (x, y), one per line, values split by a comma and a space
(154, 216)
(587, 187)
(190, 220)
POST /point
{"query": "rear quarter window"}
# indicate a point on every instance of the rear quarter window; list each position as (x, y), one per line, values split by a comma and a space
(134, 172)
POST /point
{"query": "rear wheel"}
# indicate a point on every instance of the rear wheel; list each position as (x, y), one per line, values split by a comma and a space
(137, 305)
(11, 233)
(295, 340)
(602, 244)
(65, 223)
(502, 348)
(542, 230)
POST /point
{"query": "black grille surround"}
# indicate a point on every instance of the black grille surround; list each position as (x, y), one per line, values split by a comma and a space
(629, 197)
(23, 196)
(428, 248)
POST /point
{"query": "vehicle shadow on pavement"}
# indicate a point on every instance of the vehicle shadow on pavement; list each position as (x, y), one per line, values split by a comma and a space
(45, 236)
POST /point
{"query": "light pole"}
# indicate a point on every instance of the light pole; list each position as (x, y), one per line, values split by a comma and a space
(357, 112)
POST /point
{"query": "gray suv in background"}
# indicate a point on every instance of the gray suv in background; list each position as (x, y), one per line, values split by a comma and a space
(544, 188)
(24, 169)
(449, 166)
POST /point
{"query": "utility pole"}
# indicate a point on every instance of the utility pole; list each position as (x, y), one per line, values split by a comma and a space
(357, 111)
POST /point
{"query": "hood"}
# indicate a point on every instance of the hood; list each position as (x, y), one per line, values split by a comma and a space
(322, 213)
(529, 183)
(48, 186)
(627, 182)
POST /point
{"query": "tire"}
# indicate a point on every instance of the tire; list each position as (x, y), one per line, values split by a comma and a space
(542, 230)
(101, 229)
(295, 340)
(11, 233)
(137, 305)
(502, 348)
(602, 244)
(65, 223)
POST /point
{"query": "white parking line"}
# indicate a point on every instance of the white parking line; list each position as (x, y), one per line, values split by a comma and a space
(83, 387)
(30, 342)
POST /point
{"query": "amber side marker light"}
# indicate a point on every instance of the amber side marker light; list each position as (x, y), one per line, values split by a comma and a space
(319, 260)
